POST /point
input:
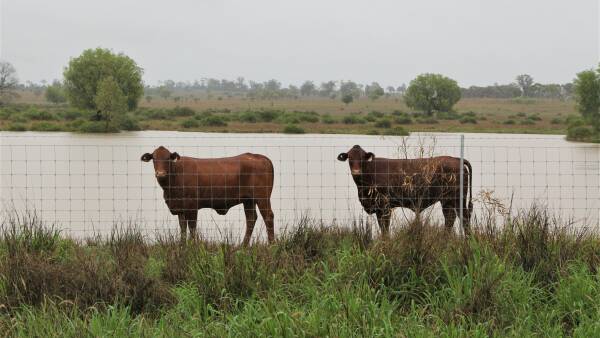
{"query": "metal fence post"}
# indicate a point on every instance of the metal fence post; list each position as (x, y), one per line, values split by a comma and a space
(462, 178)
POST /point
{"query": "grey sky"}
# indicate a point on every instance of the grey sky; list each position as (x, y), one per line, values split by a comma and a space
(476, 42)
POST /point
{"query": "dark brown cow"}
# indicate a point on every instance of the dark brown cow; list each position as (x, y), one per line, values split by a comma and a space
(190, 184)
(384, 184)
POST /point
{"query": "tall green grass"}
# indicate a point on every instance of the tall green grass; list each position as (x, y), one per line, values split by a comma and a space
(531, 276)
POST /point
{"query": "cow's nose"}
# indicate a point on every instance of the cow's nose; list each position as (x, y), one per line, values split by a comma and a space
(161, 174)
(355, 172)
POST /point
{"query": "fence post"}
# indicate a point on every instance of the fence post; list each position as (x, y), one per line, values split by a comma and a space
(462, 179)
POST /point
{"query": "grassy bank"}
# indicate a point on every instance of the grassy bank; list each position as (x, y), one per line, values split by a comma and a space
(385, 116)
(532, 277)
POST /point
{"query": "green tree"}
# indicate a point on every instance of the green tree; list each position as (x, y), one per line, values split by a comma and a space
(110, 99)
(307, 88)
(374, 91)
(347, 98)
(432, 92)
(8, 82)
(55, 93)
(84, 73)
(525, 82)
(587, 96)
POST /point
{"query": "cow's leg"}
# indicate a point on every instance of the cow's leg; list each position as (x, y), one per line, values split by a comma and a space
(449, 210)
(250, 211)
(264, 205)
(191, 218)
(183, 226)
(383, 219)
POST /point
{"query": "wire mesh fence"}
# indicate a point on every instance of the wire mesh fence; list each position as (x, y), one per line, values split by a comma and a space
(87, 184)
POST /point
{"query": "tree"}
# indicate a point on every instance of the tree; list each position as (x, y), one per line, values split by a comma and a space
(55, 93)
(84, 74)
(164, 92)
(587, 95)
(525, 82)
(307, 88)
(347, 98)
(8, 82)
(374, 91)
(327, 88)
(432, 92)
(110, 99)
(350, 88)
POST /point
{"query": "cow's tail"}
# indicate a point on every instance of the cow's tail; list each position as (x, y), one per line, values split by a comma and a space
(470, 184)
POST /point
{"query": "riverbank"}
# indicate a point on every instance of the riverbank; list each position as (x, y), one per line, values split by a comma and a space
(529, 277)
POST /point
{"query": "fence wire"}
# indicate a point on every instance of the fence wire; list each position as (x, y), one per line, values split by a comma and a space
(87, 184)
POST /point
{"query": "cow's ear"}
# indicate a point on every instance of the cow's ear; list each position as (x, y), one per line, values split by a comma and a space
(342, 157)
(146, 157)
(370, 156)
(175, 156)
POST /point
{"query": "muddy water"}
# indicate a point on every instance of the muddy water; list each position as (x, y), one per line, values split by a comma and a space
(89, 183)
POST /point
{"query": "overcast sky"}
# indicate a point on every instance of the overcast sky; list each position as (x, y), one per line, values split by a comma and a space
(476, 42)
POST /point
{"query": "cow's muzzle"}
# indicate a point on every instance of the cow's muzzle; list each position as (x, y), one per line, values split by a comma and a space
(160, 174)
(355, 172)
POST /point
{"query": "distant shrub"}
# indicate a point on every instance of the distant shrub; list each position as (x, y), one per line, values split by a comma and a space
(17, 126)
(557, 120)
(383, 123)
(527, 122)
(40, 115)
(298, 117)
(248, 117)
(293, 129)
(521, 114)
(182, 111)
(403, 119)
(5, 114)
(46, 126)
(509, 122)
(155, 114)
(327, 119)
(97, 127)
(396, 131)
(372, 132)
(269, 115)
(374, 115)
(427, 120)
(534, 117)
(71, 115)
(450, 115)
(354, 119)
(468, 119)
(521, 100)
(580, 133)
(398, 113)
(214, 121)
(190, 123)
(129, 123)
(19, 118)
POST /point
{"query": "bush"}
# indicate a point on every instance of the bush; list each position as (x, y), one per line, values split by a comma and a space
(468, 119)
(527, 122)
(293, 129)
(327, 119)
(16, 126)
(298, 117)
(383, 123)
(182, 111)
(128, 122)
(71, 115)
(427, 120)
(190, 123)
(557, 120)
(214, 121)
(451, 115)
(534, 117)
(509, 122)
(248, 117)
(40, 115)
(580, 133)
(269, 115)
(45, 126)
(97, 127)
(521, 114)
(353, 119)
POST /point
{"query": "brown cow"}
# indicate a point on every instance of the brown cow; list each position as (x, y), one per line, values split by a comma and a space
(191, 183)
(384, 184)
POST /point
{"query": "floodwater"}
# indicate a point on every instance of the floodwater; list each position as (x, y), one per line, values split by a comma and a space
(85, 184)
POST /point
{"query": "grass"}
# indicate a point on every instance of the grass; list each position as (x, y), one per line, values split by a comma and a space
(319, 115)
(528, 277)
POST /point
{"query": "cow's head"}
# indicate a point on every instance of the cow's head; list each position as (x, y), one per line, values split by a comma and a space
(357, 159)
(162, 159)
